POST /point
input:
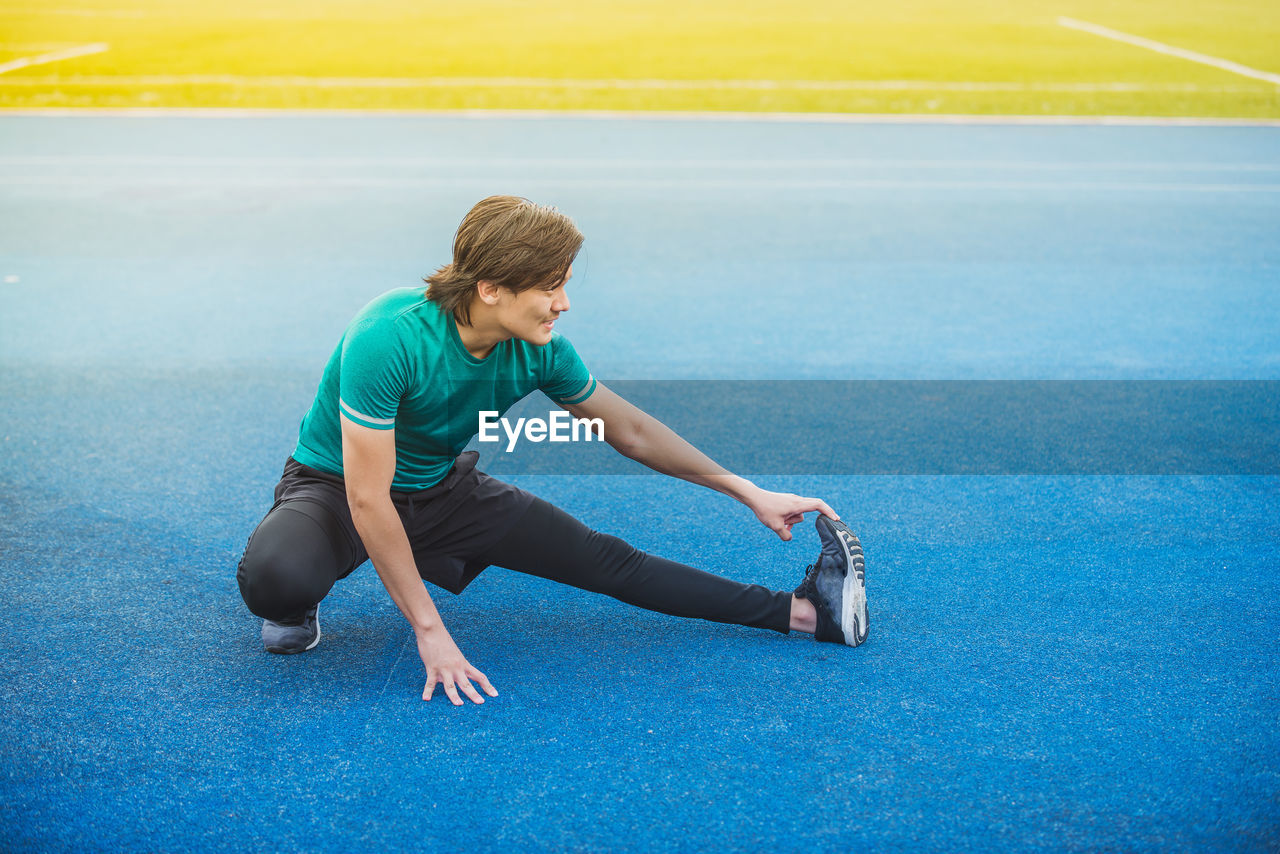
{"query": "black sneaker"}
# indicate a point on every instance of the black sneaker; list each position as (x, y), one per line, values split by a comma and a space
(289, 636)
(836, 585)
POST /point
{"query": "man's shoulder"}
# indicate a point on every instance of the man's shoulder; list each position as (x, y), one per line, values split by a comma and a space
(398, 303)
(560, 345)
(398, 313)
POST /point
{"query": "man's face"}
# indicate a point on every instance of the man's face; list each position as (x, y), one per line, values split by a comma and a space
(530, 315)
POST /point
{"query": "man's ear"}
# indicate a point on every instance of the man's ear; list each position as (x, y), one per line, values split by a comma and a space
(488, 291)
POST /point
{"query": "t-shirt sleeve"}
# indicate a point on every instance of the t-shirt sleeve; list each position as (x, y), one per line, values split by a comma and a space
(567, 381)
(374, 376)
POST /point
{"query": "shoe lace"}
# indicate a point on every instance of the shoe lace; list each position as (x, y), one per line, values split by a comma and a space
(808, 587)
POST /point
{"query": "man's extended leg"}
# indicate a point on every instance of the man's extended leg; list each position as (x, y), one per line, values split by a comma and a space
(550, 543)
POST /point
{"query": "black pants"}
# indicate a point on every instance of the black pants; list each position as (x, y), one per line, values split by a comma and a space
(307, 542)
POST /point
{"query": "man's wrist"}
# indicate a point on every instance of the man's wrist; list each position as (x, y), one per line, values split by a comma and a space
(741, 489)
(424, 627)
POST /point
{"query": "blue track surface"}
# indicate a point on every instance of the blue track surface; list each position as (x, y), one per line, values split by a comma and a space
(1055, 662)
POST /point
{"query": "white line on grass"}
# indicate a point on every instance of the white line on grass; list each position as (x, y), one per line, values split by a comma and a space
(297, 82)
(78, 13)
(55, 56)
(715, 117)
(21, 47)
(1161, 47)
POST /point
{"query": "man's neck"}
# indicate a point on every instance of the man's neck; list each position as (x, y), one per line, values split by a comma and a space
(480, 337)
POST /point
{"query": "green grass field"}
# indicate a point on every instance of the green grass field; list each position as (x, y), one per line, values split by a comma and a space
(913, 56)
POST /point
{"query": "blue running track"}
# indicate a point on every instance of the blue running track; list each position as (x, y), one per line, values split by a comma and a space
(1056, 662)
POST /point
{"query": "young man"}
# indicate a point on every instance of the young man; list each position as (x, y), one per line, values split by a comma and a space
(378, 471)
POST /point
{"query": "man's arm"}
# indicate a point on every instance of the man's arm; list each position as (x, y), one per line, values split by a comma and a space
(369, 465)
(638, 435)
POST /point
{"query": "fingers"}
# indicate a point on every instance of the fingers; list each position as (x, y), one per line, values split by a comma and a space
(484, 682)
(470, 690)
(822, 507)
(447, 668)
(816, 505)
(794, 514)
(452, 683)
(452, 691)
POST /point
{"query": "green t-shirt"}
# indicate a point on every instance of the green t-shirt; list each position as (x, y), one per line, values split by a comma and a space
(401, 364)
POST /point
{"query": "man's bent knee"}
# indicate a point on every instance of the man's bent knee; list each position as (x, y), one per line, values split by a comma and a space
(289, 565)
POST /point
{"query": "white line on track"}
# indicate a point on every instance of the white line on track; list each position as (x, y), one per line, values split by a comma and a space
(55, 56)
(272, 181)
(603, 84)
(1171, 50)
(626, 164)
(222, 113)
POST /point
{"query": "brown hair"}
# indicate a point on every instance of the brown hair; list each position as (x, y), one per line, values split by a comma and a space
(509, 241)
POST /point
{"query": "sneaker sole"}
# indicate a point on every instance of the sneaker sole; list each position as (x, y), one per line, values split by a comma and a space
(855, 619)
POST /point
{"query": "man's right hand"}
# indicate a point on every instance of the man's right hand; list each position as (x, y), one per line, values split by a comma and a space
(369, 466)
(446, 666)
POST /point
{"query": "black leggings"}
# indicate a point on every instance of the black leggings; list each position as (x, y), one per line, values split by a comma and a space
(308, 542)
(551, 544)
